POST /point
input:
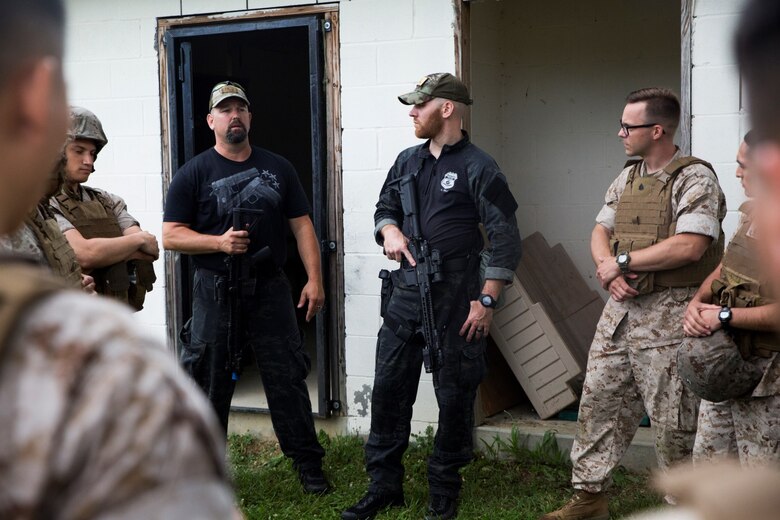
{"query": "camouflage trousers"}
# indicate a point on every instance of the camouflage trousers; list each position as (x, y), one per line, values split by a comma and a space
(632, 369)
(271, 331)
(398, 363)
(754, 422)
(715, 435)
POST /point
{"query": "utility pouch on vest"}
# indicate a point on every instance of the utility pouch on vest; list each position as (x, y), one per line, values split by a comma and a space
(387, 290)
(141, 283)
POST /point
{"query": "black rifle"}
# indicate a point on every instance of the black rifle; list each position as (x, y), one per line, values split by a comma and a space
(240, 282)
(427, 272)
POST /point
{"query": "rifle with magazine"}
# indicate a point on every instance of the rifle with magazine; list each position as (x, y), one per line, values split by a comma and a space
(241, 282)
(427, 272)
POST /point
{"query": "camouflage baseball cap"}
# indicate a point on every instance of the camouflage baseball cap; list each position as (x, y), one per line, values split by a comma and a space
(86, 125)
(438, 85)
(224, 90)
(713, 369)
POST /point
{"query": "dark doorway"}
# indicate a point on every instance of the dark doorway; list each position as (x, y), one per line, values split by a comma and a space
(279, 62)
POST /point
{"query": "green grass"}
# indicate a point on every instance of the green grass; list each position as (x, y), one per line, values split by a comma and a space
(507, 481)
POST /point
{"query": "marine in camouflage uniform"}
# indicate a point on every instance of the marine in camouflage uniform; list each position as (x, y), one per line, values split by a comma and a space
(40, 238)
(730, 358)
(109, 243)
(651, 213)
(96, 420)
(458, 186)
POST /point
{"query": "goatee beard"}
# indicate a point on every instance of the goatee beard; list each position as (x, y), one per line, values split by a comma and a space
(236, 135)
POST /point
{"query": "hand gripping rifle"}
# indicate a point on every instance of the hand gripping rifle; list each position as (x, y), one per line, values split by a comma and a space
(241, 282)
(427, 272)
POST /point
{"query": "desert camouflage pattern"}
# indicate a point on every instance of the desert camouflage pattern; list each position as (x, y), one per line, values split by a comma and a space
(757, 429)
(632, 364)
(757, 418)
(715, 435)
(84, 124)
(97, 422)
(632, 371)
(697, 200)
(23, 242)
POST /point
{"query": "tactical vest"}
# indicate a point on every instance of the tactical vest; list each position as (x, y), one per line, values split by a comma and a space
(126, 281)
(741, 284)
(58, 252)
(21, 285)
(644, 217)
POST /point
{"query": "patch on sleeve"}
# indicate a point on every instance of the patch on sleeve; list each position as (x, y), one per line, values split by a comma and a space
(499, 195)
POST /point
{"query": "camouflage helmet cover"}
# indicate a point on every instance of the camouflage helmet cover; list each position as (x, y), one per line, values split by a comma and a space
(86, 125)
(713, 369)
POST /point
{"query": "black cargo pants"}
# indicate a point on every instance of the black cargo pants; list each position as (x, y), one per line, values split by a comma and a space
(398, 366)
(271, 331)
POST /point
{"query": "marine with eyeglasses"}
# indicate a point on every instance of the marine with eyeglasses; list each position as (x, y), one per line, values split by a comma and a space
(656, 238)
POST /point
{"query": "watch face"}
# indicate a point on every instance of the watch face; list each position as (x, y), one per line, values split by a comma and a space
(724, 314)
(487, 300)
(622, 258)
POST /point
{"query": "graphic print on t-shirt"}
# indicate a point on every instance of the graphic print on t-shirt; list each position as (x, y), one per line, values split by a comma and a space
(245, 189)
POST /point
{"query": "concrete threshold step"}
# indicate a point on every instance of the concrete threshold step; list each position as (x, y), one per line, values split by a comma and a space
(639, 457)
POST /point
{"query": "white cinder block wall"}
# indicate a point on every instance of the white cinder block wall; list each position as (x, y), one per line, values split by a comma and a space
(719, 121)
(386, 46)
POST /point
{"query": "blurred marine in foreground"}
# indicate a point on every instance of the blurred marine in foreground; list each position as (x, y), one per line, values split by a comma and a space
(96, 421)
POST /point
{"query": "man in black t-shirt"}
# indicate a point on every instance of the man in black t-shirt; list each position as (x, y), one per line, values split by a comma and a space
(198, 221)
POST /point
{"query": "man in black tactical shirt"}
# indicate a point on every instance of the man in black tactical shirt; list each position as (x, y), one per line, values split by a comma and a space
(198, 221)
(458, 187)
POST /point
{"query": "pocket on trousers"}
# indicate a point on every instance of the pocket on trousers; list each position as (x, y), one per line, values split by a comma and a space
(473, 366)
(683, 412)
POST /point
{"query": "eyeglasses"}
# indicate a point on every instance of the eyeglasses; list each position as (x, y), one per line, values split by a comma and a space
(225, 84)
(625, 128)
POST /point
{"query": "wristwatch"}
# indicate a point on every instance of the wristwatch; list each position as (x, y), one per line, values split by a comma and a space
(725, 316)
(623, 260)
(488, 301)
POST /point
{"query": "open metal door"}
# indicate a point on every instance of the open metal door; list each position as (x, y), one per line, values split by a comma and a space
(185, 93)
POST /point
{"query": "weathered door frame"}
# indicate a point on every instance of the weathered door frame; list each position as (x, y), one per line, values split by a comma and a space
(332, 378)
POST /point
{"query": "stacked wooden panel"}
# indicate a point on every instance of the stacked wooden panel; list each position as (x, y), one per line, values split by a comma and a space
(546, 324)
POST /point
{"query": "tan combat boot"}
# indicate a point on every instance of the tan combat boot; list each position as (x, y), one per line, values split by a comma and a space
(582, 506)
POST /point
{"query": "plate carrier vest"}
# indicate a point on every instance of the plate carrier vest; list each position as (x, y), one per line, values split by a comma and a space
(58, 252)
(644, 217)
(741, 284)
(126, 281)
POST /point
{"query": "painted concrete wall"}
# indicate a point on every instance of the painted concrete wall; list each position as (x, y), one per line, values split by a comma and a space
(549, 81)
(719, 120)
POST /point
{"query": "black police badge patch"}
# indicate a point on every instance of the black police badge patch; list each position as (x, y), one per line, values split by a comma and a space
(448, 182)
